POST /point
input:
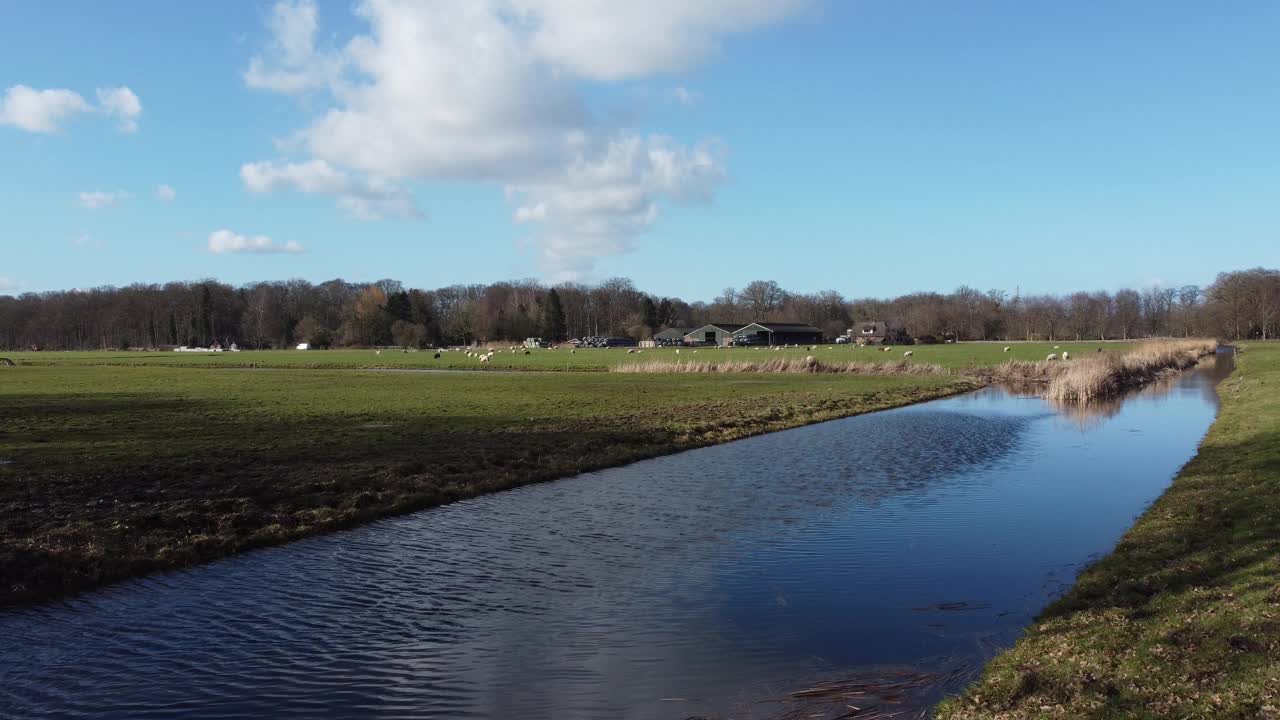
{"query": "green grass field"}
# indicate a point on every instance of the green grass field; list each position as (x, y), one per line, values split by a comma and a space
(111, 472)
(1182, 620)
(960, 355)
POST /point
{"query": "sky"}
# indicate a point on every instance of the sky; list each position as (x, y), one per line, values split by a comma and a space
(874, 147)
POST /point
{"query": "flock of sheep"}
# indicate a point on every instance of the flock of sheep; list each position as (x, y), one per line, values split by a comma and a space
(487, 356)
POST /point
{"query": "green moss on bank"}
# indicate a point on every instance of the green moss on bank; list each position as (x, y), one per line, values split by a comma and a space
(1182, 619)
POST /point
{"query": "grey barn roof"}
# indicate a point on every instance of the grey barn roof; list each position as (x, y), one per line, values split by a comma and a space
(788, 327)
(723, 327)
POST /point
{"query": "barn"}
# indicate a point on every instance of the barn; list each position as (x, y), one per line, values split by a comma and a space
(671, 336)
(777, 334)
(712, 334)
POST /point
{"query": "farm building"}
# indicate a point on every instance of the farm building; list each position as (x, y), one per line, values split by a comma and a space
(777, 334)
(871, 332)
(671, 336)
(712, 334)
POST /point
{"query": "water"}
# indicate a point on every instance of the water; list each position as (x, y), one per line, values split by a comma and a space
(709, 583)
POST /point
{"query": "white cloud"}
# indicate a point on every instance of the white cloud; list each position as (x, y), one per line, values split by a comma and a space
(166, 193)
(370, 199)
(45, 111)
(223, 242)
(40, 111)
(600, 202)
(687, 97)
(610, 40)
(121, 103)
(98, 199)
(7, 285)
(484, 90)
(84, 240)
(290, 63)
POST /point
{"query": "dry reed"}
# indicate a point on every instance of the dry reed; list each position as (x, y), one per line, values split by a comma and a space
(1108, 374)
(1096, 376)
(1078, 380)
(784, 365)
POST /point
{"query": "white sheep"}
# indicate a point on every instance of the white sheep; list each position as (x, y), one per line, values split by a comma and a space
(377, 352)
(1007, 348)
(1052, 356)
(1066, 355)
(484, 358)
(809, 359)
(573, 351)
(677, 351)
(908, 353)
(629, 352)
(1055, 347)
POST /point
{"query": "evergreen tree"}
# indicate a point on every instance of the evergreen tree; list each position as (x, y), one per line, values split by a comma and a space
(666, 312)
(649, 313)
(553, 317)
(399, 307)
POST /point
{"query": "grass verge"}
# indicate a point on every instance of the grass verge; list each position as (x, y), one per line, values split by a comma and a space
(114, 472)
(1182, 619)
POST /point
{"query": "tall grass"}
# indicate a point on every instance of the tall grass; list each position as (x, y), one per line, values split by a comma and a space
(1078, 380)
(1102, 375)
(784, 365)
(1110, 374)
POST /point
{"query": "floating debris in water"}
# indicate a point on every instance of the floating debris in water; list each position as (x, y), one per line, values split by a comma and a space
(877, 694)
(952, 606)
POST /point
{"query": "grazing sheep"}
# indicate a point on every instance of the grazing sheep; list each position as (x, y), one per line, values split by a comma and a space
(809, 359)
(677, 351)
(1099, 349)
(1066, 355)
(526, 352)
(1007, 348)
(484, 358)
(437, 355)
(630, 352)
(377, 352)
(1055, 347)
(1052, 356)
(908, 353)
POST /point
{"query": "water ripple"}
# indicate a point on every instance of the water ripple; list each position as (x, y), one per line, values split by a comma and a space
(685, 585)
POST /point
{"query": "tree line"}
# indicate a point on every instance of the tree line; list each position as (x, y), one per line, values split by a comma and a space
(1241, 304)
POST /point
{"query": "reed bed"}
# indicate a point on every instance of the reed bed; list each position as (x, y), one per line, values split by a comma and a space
(785, 365)
(1081, 379)
(1103, 375)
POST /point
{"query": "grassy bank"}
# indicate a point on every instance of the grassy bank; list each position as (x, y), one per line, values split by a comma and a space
(1182, 620)
(113, 472)
(960, 355)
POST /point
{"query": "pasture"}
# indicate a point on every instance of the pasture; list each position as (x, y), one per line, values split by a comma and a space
(957, 356)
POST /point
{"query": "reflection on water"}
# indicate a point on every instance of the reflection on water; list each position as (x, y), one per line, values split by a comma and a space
(706, 583)
(1214, 367)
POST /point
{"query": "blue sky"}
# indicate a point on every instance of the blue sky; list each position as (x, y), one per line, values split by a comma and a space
(873, 147)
